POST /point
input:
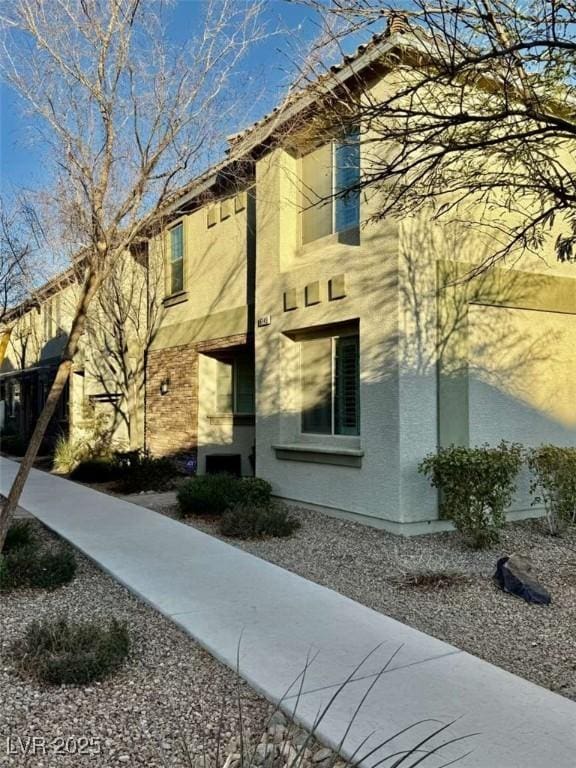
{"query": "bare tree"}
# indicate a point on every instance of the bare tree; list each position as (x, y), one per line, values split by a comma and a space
(121, 325)
(481, 122)
(16, 255)
(127, 117)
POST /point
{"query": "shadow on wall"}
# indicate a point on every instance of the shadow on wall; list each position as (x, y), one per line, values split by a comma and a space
(462, 361)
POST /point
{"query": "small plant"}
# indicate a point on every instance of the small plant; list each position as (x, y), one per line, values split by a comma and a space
(553, 484)
(59, 652)
(54, 568)
(429, 741)
(208, 495)
(138, 471)
(246, 521)
(95, 470)
(20, 534)
(67, 454)
(30, 566)
(95, 444)
(477, 484)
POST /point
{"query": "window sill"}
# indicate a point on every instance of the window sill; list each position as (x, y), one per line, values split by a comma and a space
(346, 237)
(319, 454)
(175, 298)
(236, 419)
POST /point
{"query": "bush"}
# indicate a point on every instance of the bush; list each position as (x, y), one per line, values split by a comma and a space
(214, 494)
(138, 471)
(67, 454)
(58, 652)
(246, 521)
(95, 444)
(477, 484)
(208, 495)
(553, 484)
(256, 491)
(54, 568)
(20, 534)
(29, 566)
(97, 470)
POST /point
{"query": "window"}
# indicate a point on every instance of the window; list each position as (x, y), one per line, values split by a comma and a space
(177, 259)
(235, 386)
(330, 385)
(48, 329)
(331, 198)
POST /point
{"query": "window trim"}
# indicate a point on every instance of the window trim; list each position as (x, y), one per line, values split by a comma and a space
(333, 235)
(333, 335)
(234, 412)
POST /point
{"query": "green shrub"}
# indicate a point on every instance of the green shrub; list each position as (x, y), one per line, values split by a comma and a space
(214, 494)
(138, 471)
(30, 566)
(246, 521)
(208, 494)
(54, 568)
(95, 444)
(58, 652)
(256, 491)
(20, 534)
(477, 484)
(553, 484)
(67, 454)
(96, 470)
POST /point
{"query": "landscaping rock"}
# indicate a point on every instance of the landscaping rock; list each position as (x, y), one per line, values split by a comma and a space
(321, 755)
(512, 578)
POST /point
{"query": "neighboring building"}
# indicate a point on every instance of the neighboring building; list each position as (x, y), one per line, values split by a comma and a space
(200, 363)
(332, 354)
(34, 337)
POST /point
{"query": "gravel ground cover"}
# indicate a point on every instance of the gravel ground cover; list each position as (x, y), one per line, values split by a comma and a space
(170, 688)
(376, 569)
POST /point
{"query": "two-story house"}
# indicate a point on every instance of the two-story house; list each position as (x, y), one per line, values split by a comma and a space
(299, 337)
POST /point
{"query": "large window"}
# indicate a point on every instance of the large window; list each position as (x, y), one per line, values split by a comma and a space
(330, 385)
(177, 259)
(330, 188)
(235, 386)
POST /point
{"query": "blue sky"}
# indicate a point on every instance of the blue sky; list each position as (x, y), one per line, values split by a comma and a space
(21, 158)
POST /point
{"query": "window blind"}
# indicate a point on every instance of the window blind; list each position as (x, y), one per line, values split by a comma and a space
(346, 385)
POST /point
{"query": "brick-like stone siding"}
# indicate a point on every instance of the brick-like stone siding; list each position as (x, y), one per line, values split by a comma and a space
(172, 419)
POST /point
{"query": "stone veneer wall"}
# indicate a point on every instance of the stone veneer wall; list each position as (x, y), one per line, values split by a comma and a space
(172, 419)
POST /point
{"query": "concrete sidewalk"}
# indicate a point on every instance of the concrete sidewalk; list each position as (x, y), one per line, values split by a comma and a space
(230, 601)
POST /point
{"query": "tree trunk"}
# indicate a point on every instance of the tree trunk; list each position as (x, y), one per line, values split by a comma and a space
(89, 289)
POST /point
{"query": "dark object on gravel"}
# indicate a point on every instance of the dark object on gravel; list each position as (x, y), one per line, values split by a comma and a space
(512, 578)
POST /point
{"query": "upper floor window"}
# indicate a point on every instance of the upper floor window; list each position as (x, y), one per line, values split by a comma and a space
(48, 320)
(330, 182)
(330, 383)
(177, 258)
